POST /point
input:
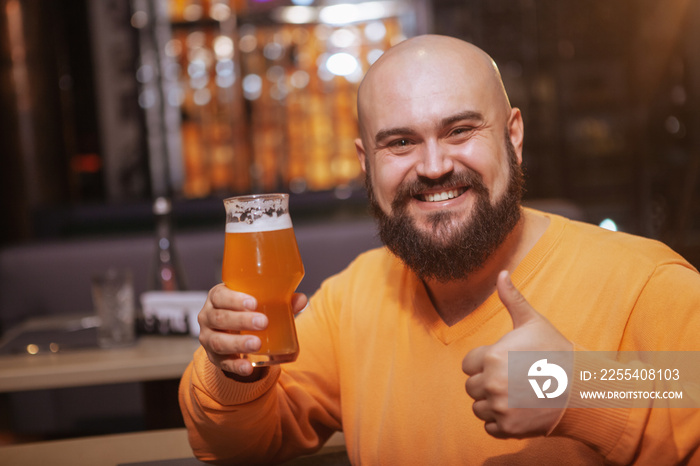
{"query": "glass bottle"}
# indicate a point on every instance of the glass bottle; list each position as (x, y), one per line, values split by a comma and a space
(167, 274)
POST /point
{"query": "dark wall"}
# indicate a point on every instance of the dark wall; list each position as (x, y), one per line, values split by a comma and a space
(609, 92)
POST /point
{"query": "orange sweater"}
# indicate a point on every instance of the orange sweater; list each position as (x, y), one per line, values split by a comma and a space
(379, 364)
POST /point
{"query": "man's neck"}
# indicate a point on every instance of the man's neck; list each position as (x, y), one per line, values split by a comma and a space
(456, 299)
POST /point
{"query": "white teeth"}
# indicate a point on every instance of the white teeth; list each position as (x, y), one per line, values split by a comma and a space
(443, 196)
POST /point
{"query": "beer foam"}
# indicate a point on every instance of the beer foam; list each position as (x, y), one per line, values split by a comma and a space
(282, 222)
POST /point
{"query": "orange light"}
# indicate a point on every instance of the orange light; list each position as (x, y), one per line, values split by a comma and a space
(86, 163)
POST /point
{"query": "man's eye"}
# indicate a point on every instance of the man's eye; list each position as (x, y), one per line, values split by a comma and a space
(459, 131)
(403, 142)
(400, 145)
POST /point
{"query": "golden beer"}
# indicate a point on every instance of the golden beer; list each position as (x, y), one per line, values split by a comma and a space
(261, 259)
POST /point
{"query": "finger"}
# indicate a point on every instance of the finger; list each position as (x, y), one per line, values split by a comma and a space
(299, 302)
(232, 321)
(475, 387)
(473, 362)
(237, 365)
(493, 430)
(222, 297)
(483, 411)
(223, 344)
(519, 309)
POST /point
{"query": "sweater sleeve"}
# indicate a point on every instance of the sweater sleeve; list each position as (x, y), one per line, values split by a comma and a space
(666, 317)
(290, 412)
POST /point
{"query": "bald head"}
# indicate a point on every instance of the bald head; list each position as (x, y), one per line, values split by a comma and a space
(421, 66)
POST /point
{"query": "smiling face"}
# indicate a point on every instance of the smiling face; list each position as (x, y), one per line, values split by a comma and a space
(432, 118)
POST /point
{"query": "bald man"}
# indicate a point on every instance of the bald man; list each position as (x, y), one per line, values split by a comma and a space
(406, 351)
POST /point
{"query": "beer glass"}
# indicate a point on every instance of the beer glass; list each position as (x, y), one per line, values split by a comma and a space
(261, 259)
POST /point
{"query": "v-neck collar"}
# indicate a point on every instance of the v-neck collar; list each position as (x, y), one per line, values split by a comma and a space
(470, 324)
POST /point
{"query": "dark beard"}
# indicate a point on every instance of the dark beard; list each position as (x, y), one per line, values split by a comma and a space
(451, 251)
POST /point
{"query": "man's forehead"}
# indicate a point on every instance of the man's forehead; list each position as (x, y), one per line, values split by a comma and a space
(430, 67)
(430, 101)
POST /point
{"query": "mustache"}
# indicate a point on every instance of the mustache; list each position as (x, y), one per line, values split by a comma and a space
(466, 178)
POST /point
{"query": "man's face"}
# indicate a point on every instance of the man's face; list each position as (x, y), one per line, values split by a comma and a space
(443, 182)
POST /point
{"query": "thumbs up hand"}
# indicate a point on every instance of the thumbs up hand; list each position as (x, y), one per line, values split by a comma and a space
(487, 368)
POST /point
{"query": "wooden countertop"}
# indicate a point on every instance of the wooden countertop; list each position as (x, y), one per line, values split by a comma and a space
(150, 358)
(151, 448)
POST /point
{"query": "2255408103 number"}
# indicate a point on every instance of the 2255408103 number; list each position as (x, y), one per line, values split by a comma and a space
(639, 374)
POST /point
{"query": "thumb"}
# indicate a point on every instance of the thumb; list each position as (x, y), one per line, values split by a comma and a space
(299, 302)
(519, 309)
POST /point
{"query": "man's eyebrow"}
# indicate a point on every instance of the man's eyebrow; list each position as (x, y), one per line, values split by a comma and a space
(387, 133)
(471, 115)
(466, 115)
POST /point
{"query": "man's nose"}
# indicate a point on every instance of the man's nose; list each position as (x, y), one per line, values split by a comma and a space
(435, 161)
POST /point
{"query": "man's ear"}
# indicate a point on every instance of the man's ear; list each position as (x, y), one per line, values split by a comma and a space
(516, 132)
(361, 154)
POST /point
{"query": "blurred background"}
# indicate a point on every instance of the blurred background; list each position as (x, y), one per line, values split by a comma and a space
(107, 104)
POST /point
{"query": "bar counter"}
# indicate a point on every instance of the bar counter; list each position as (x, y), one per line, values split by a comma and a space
(151, 448)
(150, 358)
